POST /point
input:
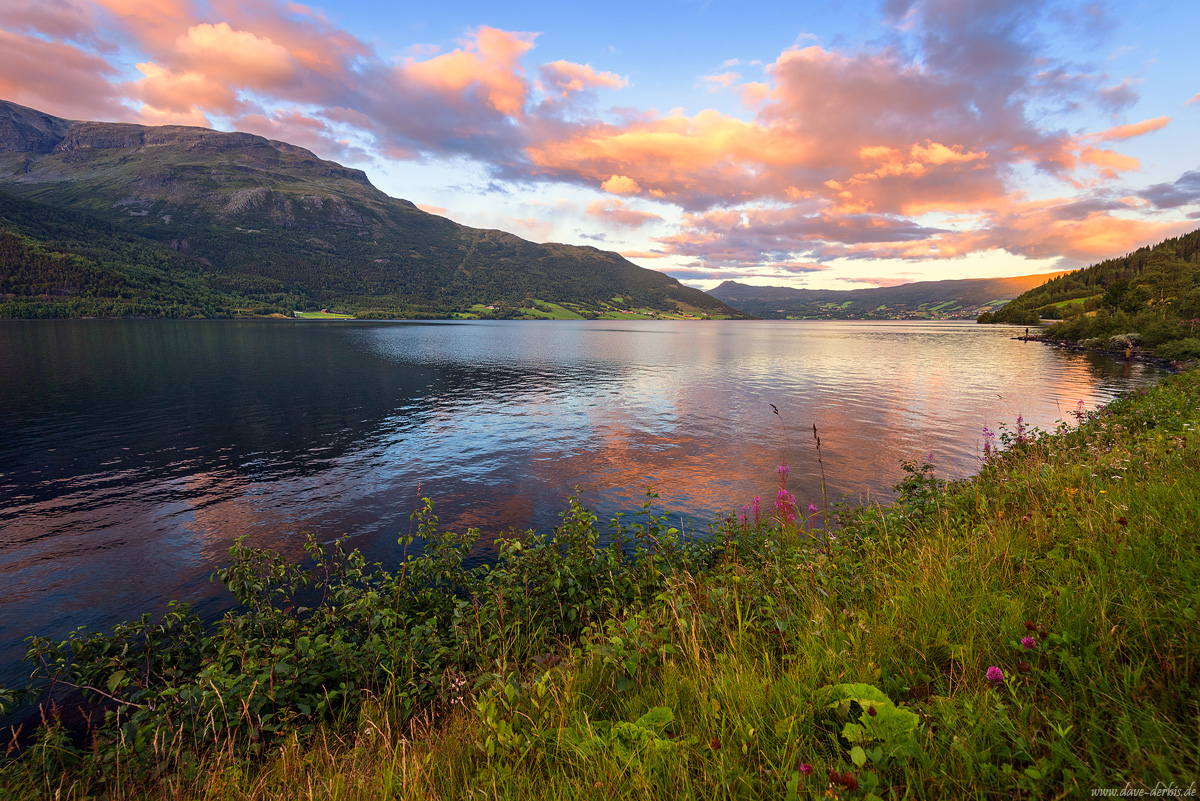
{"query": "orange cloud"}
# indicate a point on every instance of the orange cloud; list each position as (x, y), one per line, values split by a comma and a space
(1121, 132)
(618, 212)
(643, 254)
(566, 78)
(178, 96)
(223, 53)
(621, 185)
(489, 59)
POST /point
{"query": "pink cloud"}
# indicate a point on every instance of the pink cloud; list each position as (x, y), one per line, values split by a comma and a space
(617, 211)
(53, 18)
(57, 78)
(643, 254)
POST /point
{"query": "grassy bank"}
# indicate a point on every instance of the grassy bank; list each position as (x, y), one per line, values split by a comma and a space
(1030, 633)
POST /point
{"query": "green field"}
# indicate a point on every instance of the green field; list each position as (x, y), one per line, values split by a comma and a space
(323, 316)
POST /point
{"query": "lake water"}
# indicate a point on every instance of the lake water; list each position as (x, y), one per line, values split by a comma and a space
(132, 453)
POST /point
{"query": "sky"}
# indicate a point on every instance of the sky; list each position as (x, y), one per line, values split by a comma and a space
(807, 144)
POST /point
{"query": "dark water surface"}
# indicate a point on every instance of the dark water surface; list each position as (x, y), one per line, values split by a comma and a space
(132, 453)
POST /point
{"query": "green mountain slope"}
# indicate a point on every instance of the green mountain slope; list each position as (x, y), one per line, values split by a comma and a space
(952, 299)
(55, 263)
(270, 223)
(1153, 293)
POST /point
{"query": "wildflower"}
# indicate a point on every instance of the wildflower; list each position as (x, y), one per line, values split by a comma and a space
(812, 507)
(715, 743)
(1023, 667)
(871, 710)
(783, 472)
(785, 504)
(995, 675)
(1028, 643)
(744, 519)
(757, 510)
(806, 768)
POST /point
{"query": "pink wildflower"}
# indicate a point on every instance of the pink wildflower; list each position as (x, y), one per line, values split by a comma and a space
(995, 675)
(785, 504)
(812, 507)
(757, 510)
(1028, 643)
(806, 768)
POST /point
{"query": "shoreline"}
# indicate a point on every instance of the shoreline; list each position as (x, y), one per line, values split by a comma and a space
(1138, 355)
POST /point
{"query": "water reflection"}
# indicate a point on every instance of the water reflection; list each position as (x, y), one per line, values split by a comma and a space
(132, 453)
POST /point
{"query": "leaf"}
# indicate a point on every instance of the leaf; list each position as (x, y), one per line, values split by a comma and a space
(116, 680)
(858, 756)
(656, 719)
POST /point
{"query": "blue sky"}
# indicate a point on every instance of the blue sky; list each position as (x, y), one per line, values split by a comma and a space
(821, 145)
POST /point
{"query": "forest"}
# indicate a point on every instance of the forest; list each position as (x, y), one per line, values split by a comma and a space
(1150, 297)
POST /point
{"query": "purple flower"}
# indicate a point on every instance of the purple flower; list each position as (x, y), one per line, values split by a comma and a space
(1028, 643)
(812, 507)
(785, 504)
(806, 768)
(995, 675)
(744, 519)
(757, 510)
(783, 471)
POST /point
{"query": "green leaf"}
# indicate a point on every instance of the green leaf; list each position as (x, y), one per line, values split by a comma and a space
(657, 718)
(116, 680)
(858, 756)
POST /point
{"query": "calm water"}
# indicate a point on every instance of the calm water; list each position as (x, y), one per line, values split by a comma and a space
(132, 453)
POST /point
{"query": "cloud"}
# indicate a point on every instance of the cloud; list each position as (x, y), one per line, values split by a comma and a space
(297, 128)
(891, 281)
(1184, 191)
(1195, 99)
(58, 78)
(1122, 132)
(56, 19)
(643, 254)
(621, 185)
(617, 211)
(237, 56)
(724, 80)
(565, 78)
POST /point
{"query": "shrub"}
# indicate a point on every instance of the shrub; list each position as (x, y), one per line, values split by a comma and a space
(1188, 348)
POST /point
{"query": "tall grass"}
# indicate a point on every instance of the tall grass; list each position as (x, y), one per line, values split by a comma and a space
(1029, 633)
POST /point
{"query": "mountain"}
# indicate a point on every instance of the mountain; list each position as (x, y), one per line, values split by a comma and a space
(953, 299)
(1150, 297)
(270, 225)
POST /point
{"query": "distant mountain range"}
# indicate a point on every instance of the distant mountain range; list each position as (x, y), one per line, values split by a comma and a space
(113, 218)
(935, 300)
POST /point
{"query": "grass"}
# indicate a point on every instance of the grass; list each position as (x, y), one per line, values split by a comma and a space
(323, 316)
(784, 664)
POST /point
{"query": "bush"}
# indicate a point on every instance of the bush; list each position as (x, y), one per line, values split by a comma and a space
(1118, 341)
(1188, 348)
